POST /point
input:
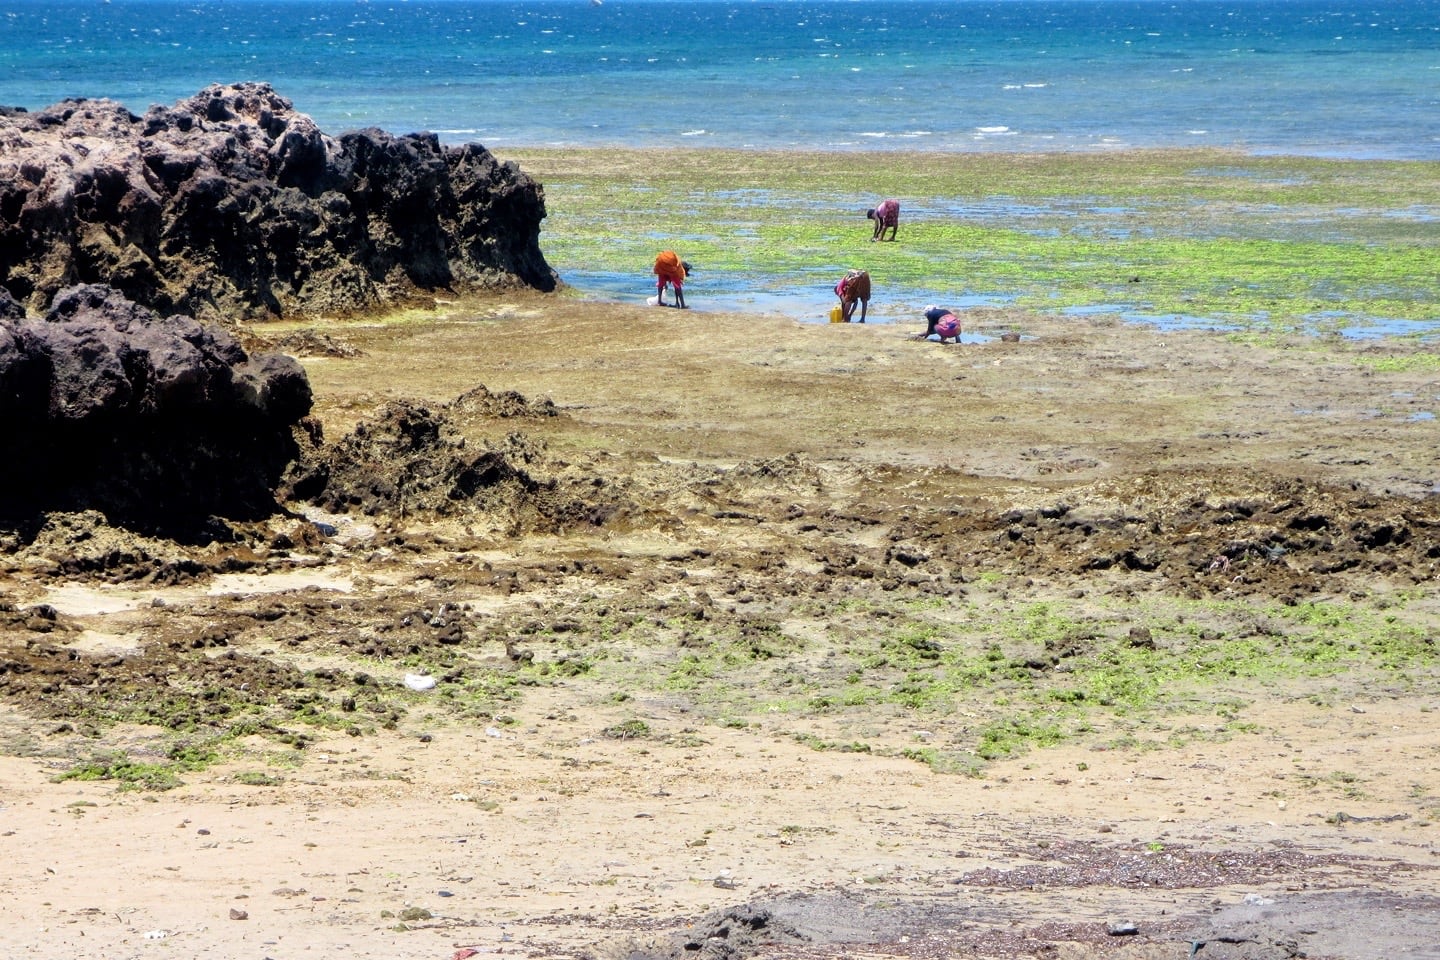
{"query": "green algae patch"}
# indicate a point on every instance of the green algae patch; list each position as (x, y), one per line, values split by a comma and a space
(1402, 364)
(1300, 243)
(999, 681)
(132, 774)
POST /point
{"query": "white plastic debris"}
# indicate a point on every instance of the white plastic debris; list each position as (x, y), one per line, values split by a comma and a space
(419, 682)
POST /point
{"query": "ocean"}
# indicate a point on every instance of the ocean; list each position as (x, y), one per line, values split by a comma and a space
(1326, 78)
(1343, 78)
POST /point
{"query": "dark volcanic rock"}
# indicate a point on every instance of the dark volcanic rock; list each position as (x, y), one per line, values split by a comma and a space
(9, 309)
(411, 460)
(158, 422)
(734, 933)
(231, 205)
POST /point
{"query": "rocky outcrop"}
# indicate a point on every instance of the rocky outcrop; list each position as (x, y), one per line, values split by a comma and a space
(231, 205)
(160, 422)
(410, 460)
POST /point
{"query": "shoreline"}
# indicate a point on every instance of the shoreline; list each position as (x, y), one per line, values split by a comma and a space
(1177, 237)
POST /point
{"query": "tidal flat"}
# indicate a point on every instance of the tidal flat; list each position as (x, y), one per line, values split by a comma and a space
(1196, 238)
(904, 649)
(1000, 643)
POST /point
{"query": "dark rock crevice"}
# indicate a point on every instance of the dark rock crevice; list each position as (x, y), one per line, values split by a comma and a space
(159, 422)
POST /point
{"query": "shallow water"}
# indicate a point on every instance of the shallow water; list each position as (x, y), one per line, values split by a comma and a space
(906, 306)
(752, 294)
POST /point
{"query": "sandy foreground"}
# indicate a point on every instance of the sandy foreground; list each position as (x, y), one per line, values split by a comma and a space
(762, 463)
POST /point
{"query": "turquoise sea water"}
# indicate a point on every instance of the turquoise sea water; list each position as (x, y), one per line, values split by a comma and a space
(1343, 78)
(1332, 77)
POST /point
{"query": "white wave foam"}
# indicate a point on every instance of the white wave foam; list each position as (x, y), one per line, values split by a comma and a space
(993, 130)
(692, 133)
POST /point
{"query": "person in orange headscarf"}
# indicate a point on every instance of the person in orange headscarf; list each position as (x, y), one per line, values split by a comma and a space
(669, 268)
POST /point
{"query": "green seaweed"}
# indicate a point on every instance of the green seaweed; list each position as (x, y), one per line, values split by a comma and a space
(1287, 242)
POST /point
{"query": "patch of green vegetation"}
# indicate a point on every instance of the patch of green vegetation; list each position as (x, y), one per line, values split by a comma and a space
(945, 762)
(1041, 673)
(283, 707)
(1407, 363)
(1331, 633)
(1261, 242)
(1013, 735)
(1349, 784)
(692, 670)
(835, 746)
(480, 693)
(632, 729)
(134, 774)
(564, 667)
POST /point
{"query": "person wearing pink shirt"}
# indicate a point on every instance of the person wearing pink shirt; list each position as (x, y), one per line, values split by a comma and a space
(887, 215)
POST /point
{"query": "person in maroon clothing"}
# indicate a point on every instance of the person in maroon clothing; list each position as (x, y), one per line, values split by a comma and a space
(887, 215)
(853, 288)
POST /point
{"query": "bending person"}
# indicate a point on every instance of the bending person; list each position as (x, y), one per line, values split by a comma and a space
(669, 268)
(887, 215)
(941, 322)
(853, 288)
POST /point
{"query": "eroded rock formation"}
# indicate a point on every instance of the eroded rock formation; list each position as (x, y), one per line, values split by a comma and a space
(231, 205)
(410, 459)
(160, 422)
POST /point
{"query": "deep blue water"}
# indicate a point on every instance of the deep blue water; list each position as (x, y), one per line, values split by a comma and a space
(1358, 78)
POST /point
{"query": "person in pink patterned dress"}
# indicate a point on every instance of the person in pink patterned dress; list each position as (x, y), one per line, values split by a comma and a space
(887, 215)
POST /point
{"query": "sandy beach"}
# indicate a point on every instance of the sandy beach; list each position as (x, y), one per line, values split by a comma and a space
(1109, 641)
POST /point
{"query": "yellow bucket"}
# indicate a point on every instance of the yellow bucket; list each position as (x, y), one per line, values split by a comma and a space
(836, 315)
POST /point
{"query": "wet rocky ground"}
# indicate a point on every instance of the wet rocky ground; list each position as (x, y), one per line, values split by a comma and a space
(1120, 543)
